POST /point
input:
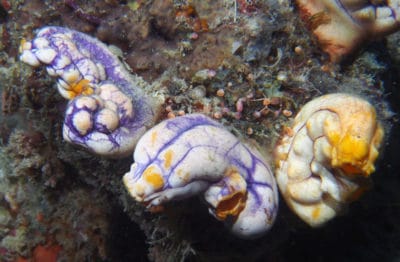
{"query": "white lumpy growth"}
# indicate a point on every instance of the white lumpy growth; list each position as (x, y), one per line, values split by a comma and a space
(77, 73)
(46, 55)
(111, 94)
(108, 111)
(193, 154)
(324, 160)
(27, 56)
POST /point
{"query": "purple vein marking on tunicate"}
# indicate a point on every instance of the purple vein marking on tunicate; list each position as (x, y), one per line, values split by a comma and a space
(59, 51)
(167, 185)
(125, 121)
(82, 63)
(113, 140)
(124, 115)
(393, 13)
(139, 169)
(121, 108)
(69, 118)
(250, 179)
(56, 61)
(251, 183)
(90, 49)
(252, 190)
(116, 73)
(87, 136)
(339, 3)
(233, 159)
(102, 128)
(88, 45)
(231, 148)
(225, 190)
(174, 138)
(63, 49)
(188, 126)
(99, 52)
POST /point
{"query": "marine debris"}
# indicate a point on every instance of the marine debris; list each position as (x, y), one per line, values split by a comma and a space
(343, 26)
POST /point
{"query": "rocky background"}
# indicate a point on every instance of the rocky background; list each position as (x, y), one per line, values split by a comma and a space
(249, 64)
